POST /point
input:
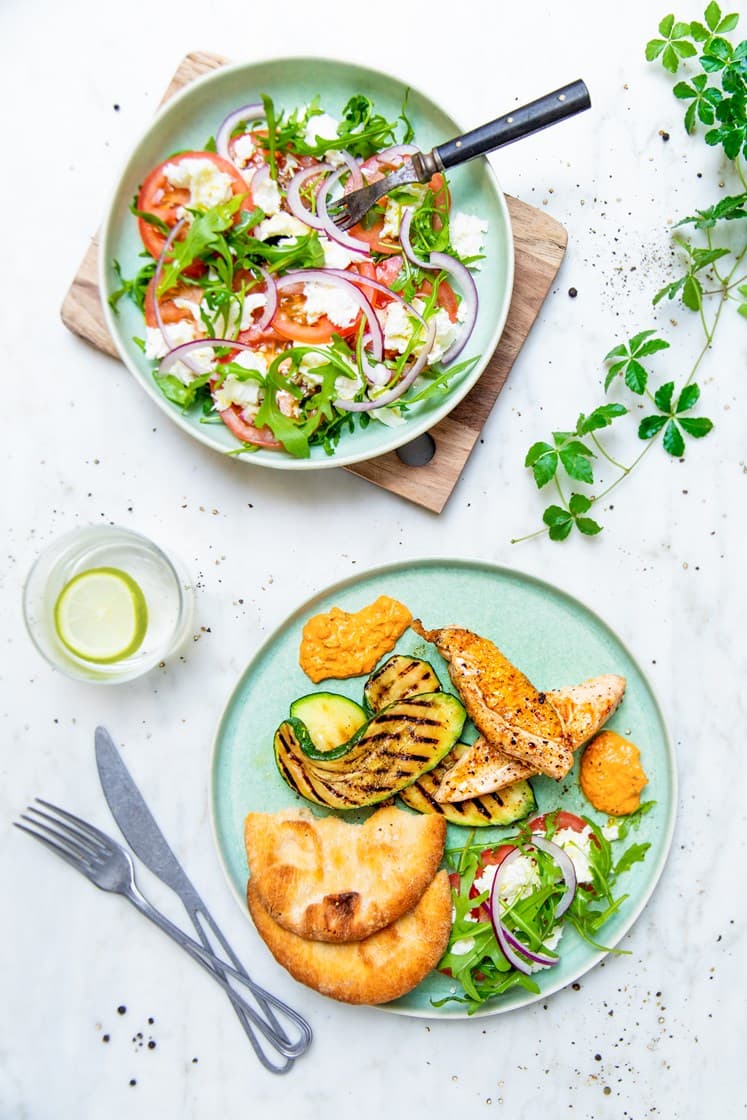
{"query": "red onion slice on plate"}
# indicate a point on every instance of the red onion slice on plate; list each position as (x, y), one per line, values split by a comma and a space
(328, 226)
(293, 194)
(567, 870)
(223, 135)
(443, 262)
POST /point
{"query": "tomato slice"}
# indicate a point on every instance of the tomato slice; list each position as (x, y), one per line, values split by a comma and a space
(158, 196)
(446, 297)
(563, 819)
(170, 313)
(247, 433)
(288, 324)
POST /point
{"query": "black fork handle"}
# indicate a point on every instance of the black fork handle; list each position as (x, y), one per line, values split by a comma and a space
(539, 114)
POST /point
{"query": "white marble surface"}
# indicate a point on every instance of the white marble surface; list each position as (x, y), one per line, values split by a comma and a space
(655, 1034)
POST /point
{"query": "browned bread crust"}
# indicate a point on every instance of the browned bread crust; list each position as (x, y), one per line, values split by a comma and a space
(326, 879)
(383, 967)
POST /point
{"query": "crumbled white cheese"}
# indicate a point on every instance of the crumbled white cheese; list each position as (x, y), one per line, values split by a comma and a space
(235, 391)
(252, 302)
(390, 415)
(156, 346)
(611, 831)
(576, 845)
(467, 234)
(321, 127)
(207, 184)
(336, 255)
(189, 305)
(463, 946)
(445, 334)
(392, 218)
(519, 879)
(330, 300)
(280, 225)
(266, 195)
(398, 329)
(242, 150)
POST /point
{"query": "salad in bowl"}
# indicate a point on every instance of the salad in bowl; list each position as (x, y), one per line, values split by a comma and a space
(266, 329)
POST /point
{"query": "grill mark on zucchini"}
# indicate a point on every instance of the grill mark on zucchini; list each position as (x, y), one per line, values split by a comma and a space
(381, 761)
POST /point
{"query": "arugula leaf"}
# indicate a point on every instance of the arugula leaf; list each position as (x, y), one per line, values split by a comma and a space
(201, 236)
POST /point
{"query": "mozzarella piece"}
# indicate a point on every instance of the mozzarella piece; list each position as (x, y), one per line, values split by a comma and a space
(207, 185)
(183, 330)
(266, 195)
(280, 225)
(336, 255)
(467, 233)
(235, 391)
(330, 300)
(576, 845)
(519, 879)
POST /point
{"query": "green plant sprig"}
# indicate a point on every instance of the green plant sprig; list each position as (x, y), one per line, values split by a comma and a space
(712, 277)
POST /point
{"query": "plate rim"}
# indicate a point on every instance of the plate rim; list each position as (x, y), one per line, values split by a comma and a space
(262, 458)
(510, 573)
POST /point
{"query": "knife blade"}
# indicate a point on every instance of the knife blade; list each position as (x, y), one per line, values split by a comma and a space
(140, 830)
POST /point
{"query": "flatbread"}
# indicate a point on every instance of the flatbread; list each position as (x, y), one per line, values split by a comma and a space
(326, 879)
(383, 967)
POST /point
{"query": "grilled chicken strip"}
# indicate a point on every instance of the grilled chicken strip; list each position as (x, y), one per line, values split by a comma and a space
(502, 703)
(485, 768)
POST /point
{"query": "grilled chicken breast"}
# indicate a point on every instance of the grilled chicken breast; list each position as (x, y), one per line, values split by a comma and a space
(503, 704)
(487, 766)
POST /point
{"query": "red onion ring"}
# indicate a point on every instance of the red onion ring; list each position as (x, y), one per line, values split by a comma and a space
(157, 280)
(343, 279)
(567, 870)
(271, 302)
(356, 177)
(293, 194)
(536, 958)
(443, 262)
(179, 353)
(328, 226)
(401, 386)
(392, 157)
(223, 135)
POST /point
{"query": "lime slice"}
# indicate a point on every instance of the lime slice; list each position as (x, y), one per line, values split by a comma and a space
(101, 615)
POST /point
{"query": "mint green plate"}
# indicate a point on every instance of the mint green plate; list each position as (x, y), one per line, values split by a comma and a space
(551, 636)
(192, 116)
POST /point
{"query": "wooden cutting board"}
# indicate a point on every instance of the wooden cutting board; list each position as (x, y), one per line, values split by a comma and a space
(539, 246)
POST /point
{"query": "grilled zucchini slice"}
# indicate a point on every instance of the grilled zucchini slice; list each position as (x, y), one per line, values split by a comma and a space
(329, 723)
(397, 678)
(399, 744)
(505, 806)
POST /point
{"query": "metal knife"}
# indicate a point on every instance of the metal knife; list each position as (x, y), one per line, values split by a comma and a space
(139, 828)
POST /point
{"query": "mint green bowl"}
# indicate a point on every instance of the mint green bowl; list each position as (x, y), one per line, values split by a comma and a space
(191, 117)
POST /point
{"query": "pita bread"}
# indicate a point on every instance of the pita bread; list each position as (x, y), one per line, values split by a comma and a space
(383, 967)
(329, 880)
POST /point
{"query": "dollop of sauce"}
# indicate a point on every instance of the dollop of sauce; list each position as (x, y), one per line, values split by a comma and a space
(342, 644)
(611, 774)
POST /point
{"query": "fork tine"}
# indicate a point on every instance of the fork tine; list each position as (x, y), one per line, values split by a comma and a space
(63, 853)
(89, 830)
(63, 833)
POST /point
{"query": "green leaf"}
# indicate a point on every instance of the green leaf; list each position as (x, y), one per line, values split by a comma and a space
(579, 503)
(543, 459)
(669, 59)
(587, 526)
(634, 854)
(654, 48)
(601, 417)
(575, 459)
(651, 426)
(663, 397)
(712, 15)
(692, 293)
(636, 377)
(696, 426)
(651, 347)
(673, 442)
(666, 25)
(687, 398)
(559, 521)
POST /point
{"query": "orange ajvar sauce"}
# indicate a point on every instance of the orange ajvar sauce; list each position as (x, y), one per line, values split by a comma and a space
(341, 644)
(611, 774)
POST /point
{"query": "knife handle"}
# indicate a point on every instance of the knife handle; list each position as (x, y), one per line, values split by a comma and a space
(539, 114)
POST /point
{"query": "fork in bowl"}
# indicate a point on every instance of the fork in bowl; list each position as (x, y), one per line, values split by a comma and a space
(109, 866)
(348, 210)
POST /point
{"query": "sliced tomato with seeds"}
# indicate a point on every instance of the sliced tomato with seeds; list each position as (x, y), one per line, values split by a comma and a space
(563, 819)
(159, 197)
(170, 312)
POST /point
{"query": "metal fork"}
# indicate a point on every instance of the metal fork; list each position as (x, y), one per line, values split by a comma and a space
(109, 866)
(348, 210)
